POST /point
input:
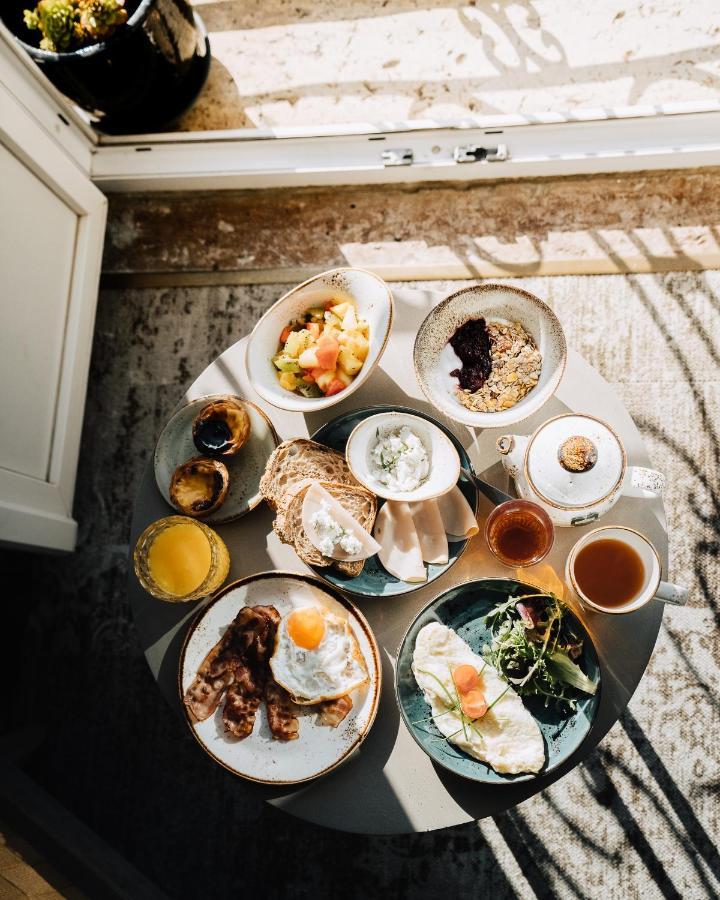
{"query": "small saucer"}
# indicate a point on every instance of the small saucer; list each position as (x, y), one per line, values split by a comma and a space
(175, 446)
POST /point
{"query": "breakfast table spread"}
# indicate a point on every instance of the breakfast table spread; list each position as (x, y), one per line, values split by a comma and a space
(389, 782)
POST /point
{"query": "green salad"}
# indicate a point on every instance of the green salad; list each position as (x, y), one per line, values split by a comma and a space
(535, 646)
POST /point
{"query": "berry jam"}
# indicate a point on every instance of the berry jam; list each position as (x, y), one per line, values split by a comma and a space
(213, 436)
(471, 342)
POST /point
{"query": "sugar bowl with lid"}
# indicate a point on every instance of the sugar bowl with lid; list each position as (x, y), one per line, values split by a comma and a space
(575, 467)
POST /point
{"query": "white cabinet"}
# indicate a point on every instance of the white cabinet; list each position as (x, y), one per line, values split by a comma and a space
(52, 222)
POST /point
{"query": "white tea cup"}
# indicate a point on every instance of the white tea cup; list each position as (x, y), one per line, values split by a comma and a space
(653, 587)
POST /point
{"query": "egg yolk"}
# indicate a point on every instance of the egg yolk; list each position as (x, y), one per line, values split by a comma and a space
(466, 678)
(306, 627)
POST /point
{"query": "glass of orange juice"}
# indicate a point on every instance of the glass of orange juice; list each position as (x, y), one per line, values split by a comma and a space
(178, 559)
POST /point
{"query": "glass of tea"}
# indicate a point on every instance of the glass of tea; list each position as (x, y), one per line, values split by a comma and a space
(519, 533)
(617, 570)
(178, 559)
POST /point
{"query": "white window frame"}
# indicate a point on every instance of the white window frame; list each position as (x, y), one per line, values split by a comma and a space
(635, 138)
(587, 141)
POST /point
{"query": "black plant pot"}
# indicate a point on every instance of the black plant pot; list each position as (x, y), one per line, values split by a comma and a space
(140, 79)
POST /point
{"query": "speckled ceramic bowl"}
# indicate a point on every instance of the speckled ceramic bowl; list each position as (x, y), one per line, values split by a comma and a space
(442, 455)
(434, 358)
(374, 303)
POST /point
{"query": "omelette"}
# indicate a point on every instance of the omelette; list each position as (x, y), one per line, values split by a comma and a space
(506, 737)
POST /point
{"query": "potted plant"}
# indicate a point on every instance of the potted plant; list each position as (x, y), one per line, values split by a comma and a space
(136, 65)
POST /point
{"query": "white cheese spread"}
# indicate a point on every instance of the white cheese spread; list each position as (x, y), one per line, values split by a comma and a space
(399, 459)
(330, 534)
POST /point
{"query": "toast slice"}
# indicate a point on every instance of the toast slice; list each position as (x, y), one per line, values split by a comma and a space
(359, 502)
(300, 459)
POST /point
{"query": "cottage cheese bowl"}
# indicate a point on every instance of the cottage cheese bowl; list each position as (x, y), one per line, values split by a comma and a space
(399, 456)
(504, 307)
(374, 304)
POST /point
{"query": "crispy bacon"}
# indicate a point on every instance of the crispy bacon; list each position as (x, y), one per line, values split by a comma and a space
(238, 665)
(332, 712)
(240, 710)
(280, 712)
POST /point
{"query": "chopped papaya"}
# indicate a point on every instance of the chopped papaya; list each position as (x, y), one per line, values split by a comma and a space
(334, 387)
(327, 350)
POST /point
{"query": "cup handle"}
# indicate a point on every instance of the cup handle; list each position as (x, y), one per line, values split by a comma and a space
(672, 593)
(642, 482)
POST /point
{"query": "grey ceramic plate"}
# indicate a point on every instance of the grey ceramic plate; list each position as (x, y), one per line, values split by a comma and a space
(175, 445)
(463, 608)
(318, 749)
(374, 581)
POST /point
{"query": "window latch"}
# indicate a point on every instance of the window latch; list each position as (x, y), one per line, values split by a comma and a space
(473, 153)
(402, 157)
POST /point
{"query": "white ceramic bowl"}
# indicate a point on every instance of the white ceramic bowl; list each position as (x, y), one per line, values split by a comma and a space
(444, 459)
(374, 304)
(434, 358)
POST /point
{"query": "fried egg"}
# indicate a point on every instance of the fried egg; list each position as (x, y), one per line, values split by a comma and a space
(317, 656)
(506, 737)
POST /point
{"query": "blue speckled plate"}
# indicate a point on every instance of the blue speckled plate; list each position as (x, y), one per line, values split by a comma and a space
(463, 608)
(374, 581)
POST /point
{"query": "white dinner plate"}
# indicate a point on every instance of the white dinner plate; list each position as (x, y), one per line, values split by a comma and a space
(319, 748)
(175, 446)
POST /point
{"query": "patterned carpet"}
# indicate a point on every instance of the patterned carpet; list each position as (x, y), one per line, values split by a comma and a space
(640, 818)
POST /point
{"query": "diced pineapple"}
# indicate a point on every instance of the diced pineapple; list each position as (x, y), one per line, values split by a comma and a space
(332, 319)
(340, 309)
(356, 343)
(349, 322)
(348, 362)
(297, 342)
(324, 378)
(288, 381)
(344, 377)
(308, 358)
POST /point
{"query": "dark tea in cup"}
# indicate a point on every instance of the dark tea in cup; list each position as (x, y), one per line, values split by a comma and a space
(609, 572)
(519, 533)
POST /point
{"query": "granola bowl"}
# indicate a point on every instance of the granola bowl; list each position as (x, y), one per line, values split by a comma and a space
(526, 355)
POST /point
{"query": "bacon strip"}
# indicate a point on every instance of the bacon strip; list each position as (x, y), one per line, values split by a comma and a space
(332, 712)
(238, 665)
(280, 712)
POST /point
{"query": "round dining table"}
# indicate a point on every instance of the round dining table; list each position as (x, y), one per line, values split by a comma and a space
(389, 785)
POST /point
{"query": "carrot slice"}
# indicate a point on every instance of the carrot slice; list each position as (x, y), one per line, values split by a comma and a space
(285, 334)
(465, 677)
(473, 704)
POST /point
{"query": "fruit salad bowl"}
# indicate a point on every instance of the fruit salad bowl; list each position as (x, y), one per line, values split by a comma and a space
(373, 304)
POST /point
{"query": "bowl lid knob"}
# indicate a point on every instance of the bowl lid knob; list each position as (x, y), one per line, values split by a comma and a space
(577, 453)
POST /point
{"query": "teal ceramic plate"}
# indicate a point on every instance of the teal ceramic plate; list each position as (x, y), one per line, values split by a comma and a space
(463, 608)
(374, 581)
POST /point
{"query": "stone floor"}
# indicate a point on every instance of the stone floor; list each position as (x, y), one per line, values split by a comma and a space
(640, 819)
(646, 222)
(314, 62)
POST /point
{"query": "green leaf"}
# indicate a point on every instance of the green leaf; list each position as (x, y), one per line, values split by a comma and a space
(564, 669)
